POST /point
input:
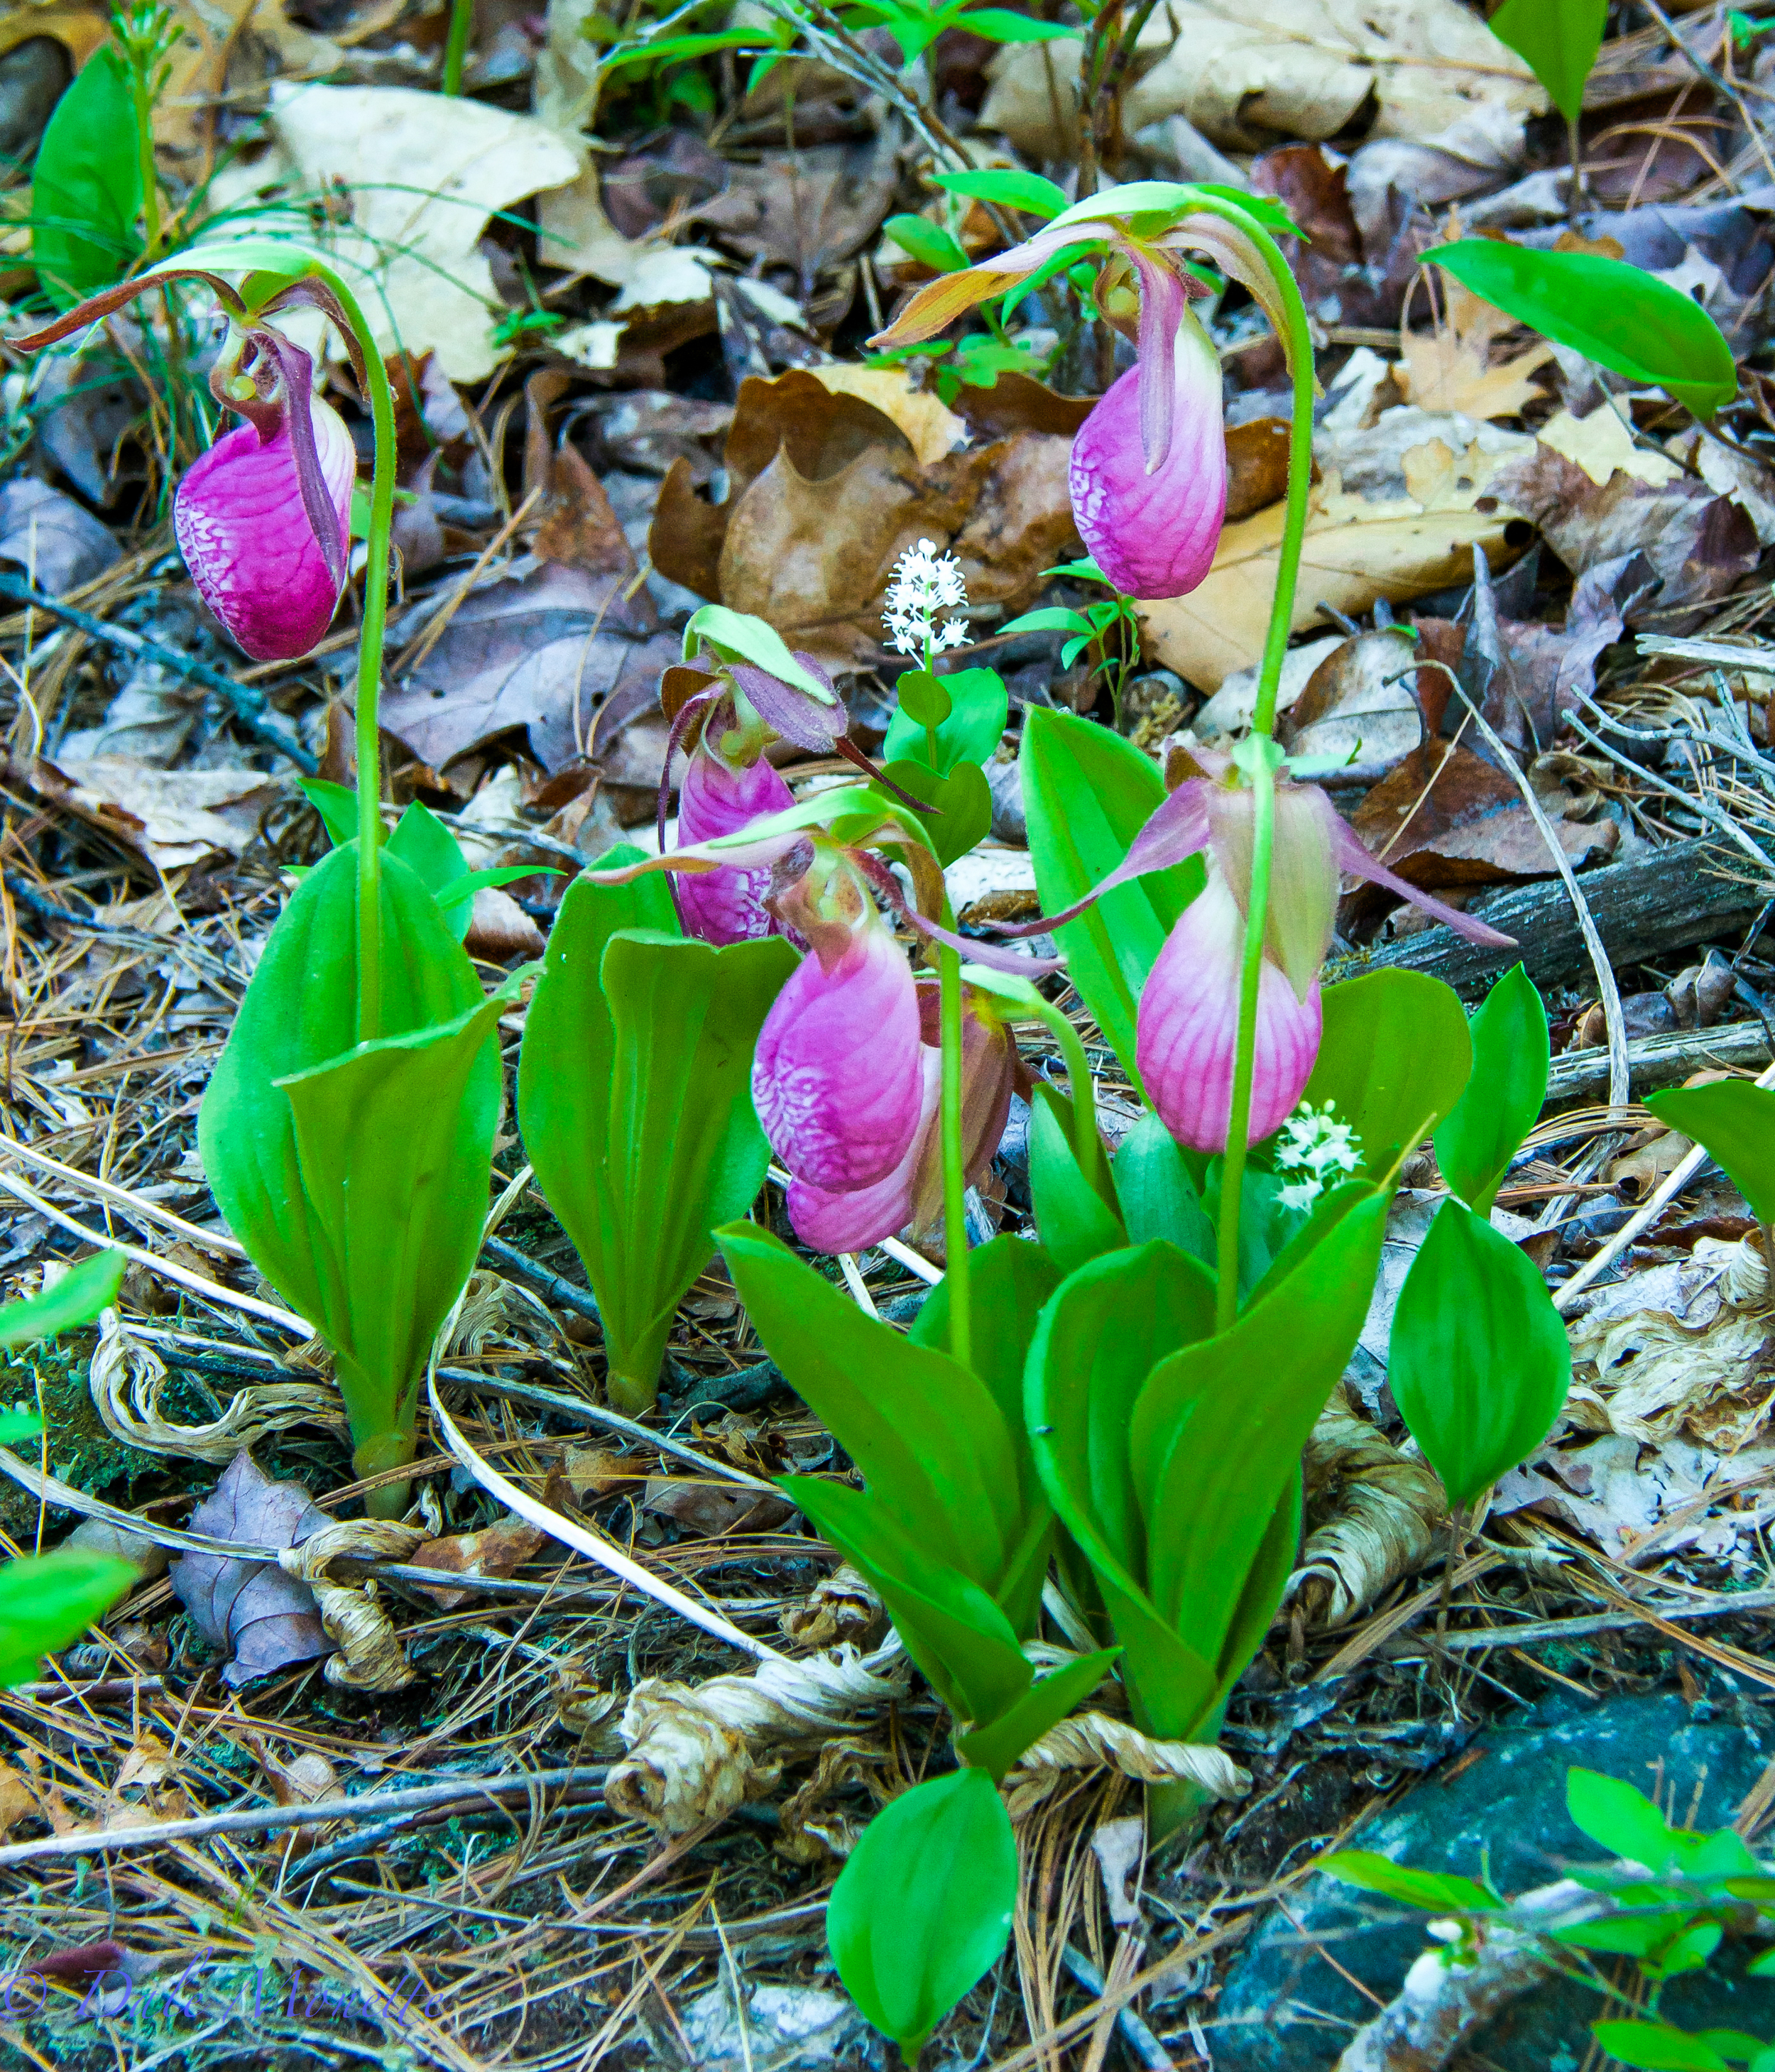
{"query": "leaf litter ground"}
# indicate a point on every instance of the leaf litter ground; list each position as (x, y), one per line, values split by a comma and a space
(145, 830)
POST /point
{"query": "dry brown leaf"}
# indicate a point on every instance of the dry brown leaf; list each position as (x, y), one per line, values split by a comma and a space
(549, 649)
(150, 1761)
(1444, 816)
(1450, 368)
(170, 818)
(498, 1550)
(827, 491)
(1684, 1352)
(498, 929)
(707, 1509)
(17, 1797)
(1372, 1515)
(57, 542)
(263, 1619)
(1245, 72)
(1358, 704)
(932, 427)
(420, 192)
(1359, 549)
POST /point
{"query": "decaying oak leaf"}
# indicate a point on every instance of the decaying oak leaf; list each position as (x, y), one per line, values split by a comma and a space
(1358, 704)
(550, 649)
(1444, 816)
(707, 1508)
(262, 1618)
(1450, 368)
(921, 413)
(1245, 74)
(1597, 496)
(170, 818)
(1625, 1496)
(499, 1549)
(1372, 1515)
(826, 492)
(419, 192)
(1358, 548)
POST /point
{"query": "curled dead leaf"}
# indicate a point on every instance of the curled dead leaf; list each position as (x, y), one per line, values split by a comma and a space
(1373, 1513)
(128, 1378)
(263, 1619)
(843, 1606)
(499, 1549)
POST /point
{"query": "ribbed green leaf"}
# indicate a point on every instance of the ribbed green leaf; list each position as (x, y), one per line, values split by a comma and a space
(921, 1911)
(1395, 1057)
(1477, 1359)
(1504, 1096)
(1734, 1121)
(86, 185)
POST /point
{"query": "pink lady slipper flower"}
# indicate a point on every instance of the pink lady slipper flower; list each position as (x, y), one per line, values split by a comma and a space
(264, 518)
(842, 1074)
(1187, 1031)
(1149, 468)
(912, 1193)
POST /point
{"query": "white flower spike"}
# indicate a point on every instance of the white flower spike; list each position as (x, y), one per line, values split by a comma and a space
(1314, 1147)
(925, 583)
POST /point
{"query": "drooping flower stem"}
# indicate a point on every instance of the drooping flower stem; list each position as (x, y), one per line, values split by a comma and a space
(369, 663)
(954, 1172)
(1261, 770)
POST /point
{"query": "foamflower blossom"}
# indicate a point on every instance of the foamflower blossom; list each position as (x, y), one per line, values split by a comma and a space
(1314, 1147)
(263, 518)
(925, 584)
(1186, 1031)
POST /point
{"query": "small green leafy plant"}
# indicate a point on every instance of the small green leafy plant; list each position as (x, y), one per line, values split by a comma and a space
(1670, 1897)
(47, 1600)
(1110, 628)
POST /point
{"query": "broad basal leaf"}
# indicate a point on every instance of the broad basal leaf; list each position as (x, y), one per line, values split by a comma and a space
(1504, 1096)
(47, 1600)
(1735, 1122)
(86, 185)
(1478, 1359)
(1395, 1057)
(921, 1911)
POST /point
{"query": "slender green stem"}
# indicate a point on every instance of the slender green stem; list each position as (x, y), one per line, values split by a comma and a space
(462, 14)
(1088, 1146)
(1299, 342)
(930, 746)
(369, 665)
(954, 1172)
(143, 95)
(1250, 977)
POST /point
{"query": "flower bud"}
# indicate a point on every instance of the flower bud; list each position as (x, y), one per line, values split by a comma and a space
(1187, 1035)
(1152, 529)
(250, 538)
(717, 798)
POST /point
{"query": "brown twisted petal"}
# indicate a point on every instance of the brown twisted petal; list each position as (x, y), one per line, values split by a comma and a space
(103, 305)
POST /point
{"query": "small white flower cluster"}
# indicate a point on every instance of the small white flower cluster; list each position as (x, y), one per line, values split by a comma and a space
(1315, 1147)
(925, 583)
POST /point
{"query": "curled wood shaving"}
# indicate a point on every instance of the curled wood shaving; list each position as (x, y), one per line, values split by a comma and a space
(370, 1657)
(696, 1752)
(1378, 1512)
(1444, 2000)
(1094, 1740)
(844, 1607)
(127, 1378)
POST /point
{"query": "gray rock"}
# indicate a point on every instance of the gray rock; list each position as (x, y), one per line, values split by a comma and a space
(1286, 2008)
(33, 76)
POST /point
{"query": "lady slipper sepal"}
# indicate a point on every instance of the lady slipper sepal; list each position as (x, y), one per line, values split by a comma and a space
(263, 518)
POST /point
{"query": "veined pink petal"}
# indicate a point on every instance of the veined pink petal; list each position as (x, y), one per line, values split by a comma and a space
(1188, 1029)
(715, 800)
(1354, 858)
(1153, 534)
(1161, 313)
(248, 541)
(836, 1076)
(1178, 828)
(829, 1222)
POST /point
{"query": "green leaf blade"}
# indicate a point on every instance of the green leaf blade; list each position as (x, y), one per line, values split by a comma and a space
(76, 1299)
(1618, 315)
(1512, 1052)
(47, 1600)
(86, 187)
(1734, 1121)
(921, 1911)
(1558, 40)
(1478, 1358)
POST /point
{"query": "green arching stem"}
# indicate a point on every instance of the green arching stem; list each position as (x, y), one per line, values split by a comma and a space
(462, 15)
(369, 665)
(1299, 343)
(956, 1262)
(1087, 1144)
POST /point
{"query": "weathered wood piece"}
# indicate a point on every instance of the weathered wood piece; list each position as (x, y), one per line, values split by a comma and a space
(1685, 894)
(1659, 1061)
